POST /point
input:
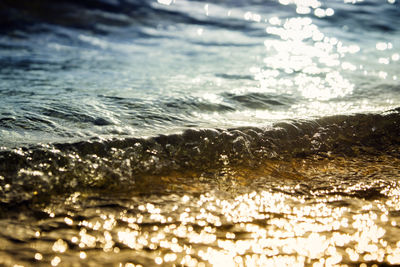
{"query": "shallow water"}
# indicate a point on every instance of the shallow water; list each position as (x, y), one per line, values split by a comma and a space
(194, 133)
(319, 211)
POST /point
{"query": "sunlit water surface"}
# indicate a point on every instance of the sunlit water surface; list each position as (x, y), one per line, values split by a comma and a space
(149, 67)
(193, 133)
(326, 211)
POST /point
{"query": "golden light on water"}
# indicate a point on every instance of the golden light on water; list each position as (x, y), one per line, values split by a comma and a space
(258, 228)
(265, 229)
(304, 209)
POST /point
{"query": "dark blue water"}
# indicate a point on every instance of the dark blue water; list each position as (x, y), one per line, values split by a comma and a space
(195, 133)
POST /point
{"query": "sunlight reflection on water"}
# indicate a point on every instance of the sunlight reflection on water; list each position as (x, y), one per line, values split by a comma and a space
(255, 229)
(189, 65)
(311, 217)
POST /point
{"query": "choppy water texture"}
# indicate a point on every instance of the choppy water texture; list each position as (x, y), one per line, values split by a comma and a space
(193, 133)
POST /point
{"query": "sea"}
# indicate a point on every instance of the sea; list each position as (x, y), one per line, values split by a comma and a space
(199, 133)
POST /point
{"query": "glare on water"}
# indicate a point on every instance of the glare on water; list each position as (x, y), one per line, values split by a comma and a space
(89, 200)
(307, 212)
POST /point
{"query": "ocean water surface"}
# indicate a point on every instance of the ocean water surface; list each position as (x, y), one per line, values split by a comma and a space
(200, 133)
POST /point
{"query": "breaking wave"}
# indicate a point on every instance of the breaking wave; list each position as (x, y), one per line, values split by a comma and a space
(35, 172)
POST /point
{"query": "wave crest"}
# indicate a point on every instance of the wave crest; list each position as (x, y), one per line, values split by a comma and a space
(119, 163)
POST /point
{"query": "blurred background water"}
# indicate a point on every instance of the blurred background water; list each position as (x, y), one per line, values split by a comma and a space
(199, 133)
(80, 69)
